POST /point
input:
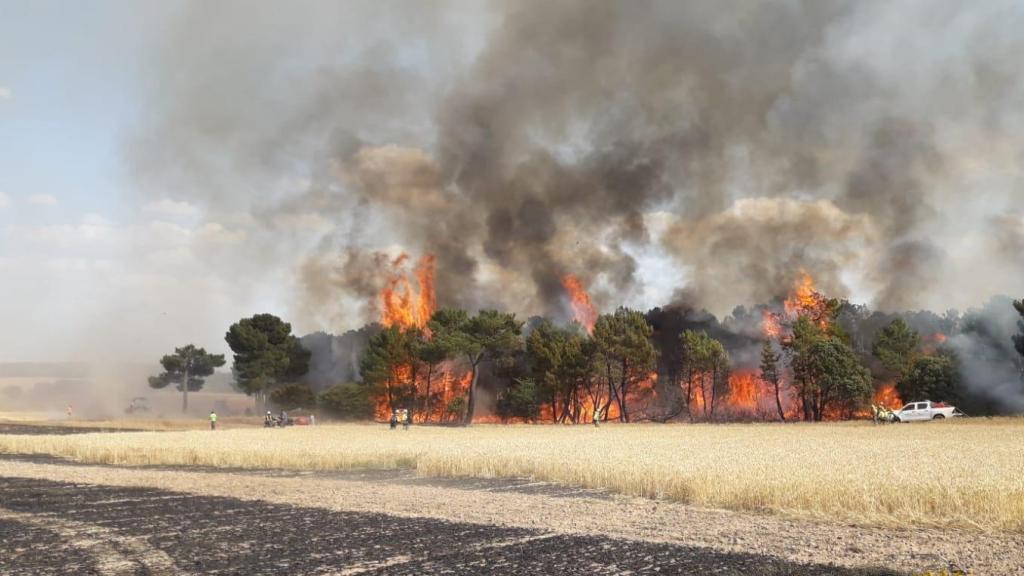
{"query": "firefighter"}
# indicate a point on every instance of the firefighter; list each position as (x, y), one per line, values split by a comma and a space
(268, 420)
(405, 419)
(213, 420)
(394, 419)
(597, 417)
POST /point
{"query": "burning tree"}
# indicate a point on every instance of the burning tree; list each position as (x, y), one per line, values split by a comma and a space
(707, 366)
(770, 373)
(826, 373)
(387, 364)
(490, 335)
(562, 365)
(624, 341)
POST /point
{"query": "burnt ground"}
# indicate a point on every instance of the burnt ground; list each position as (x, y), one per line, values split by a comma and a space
(400, 477)
(47, 430)
(49, 527)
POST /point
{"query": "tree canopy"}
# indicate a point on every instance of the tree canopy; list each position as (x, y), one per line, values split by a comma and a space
(707, 367)
(934, 378)
(266, 353)
(387, 363)
(623, 339)
(826, 372)
(896, 346)
(490, 335)
(187, 369)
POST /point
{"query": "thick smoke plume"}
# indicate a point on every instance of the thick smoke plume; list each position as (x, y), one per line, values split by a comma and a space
(703, 149)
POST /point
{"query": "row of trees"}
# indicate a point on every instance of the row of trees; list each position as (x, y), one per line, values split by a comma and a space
(563, 373)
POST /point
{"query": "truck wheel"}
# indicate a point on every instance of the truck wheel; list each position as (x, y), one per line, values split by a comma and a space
(938, 417)
(896, 420)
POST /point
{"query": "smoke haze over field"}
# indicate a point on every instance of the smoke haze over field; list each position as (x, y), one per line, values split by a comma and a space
(280, 155)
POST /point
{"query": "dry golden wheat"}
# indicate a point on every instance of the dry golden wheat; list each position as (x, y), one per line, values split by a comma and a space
(966, 474)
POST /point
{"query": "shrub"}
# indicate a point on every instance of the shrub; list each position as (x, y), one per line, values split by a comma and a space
(347, 402)
(293, 396)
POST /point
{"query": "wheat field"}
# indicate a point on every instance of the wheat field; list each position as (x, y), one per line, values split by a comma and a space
(967, 474)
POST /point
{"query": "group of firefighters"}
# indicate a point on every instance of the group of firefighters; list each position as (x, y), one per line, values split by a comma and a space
(400, 417)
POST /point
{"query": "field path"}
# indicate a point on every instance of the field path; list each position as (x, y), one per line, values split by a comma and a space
(545, 513)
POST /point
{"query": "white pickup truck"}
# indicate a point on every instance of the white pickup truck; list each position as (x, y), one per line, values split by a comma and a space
(926, 410)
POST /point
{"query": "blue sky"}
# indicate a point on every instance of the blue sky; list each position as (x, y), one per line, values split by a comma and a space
(71, 71)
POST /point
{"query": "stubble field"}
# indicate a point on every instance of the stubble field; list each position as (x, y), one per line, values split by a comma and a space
(953, 474)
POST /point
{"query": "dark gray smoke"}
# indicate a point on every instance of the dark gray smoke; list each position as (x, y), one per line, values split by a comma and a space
(727, 145)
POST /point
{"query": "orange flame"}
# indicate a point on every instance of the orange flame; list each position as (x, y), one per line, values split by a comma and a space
(888, 397)
(804, 300)
(403, 306)
(583, 310)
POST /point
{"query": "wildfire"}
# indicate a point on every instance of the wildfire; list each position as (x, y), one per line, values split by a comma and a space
(888, 397)
(401, 304)
(583, 310)
(804, 300)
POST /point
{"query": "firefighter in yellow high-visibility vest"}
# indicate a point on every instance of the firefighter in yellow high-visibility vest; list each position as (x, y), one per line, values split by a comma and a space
(597, 417)
(213, 420)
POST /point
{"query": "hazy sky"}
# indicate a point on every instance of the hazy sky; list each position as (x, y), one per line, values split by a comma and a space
(167, 168)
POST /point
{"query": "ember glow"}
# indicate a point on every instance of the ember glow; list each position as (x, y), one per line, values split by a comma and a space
(583, 310)
(401, 304)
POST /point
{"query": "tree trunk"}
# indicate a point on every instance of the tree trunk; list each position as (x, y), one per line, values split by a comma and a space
(184, 393)
(689, 394)
(778, 401)
(426, 400)
(623, 385)
(714, 391)
(704, 393)
(471, 401)
(611, 392)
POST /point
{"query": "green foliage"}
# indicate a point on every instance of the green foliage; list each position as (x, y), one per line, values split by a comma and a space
(623, 340)
(519, 401)
(387, 350)
(896, 346)
(562, 364)
(456, 407)
(770, 373)
(293, 396)
(187, 369)
(188, 359)
(935, 378)
(706, 364)
(490, 335)
(347, 402)
(266, 353)
(826, 371)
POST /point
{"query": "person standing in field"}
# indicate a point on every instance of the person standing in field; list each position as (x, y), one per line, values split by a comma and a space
(405, 419)
(394, 419)
(213, 420)
(597, 417)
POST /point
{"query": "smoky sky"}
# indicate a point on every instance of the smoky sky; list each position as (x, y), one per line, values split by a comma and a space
(729, 145)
